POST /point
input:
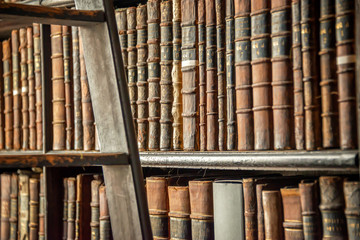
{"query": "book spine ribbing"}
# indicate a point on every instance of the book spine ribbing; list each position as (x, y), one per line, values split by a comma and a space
(105, 227)
(23, 206)
(31, 83)
(42, 207)
(65, 209)
(71, 185)
(14, 207)
(8, 111)
(121, 22)
(95, 212)
(250, 208)
(16, 89)
(34, 209)
(24, 89)
(5, 205)
(260, 211)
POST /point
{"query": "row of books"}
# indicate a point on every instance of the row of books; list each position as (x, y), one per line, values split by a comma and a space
(254, 208)
(241, 74)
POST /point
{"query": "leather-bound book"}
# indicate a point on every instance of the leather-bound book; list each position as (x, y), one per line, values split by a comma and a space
(23, 223)
(121, 22)
(190, 79)
(38, 86)
(71, 185)
(34, 209)
(83, 209)
(156, 190)
(132, 59)
(176, 76)
(65, 208)
(260, 211)
(142, 75)
(282, 84)
(229, 210)
(250, 208)
(2, 140)
(212, 128)
(310, 75)
(293, 226)
(166, 84)
(332, 208)
(105, 227)
(299, 118)
(8, 111)
(16, 88)
(95, 211)
(179, 212)
(244, 114)
(352, 208)
(261, 74)
(202, 73)
(24, 89)
(14, 207)
(58, 88)
(86, 105)
(328, 82)
(31, 84)
(273, 216)
(42, 208)
(5, 205)
(345, 61)
(309, 197)
(201, 205)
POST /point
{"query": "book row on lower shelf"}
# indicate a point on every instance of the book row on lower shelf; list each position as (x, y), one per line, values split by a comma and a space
(271, 207)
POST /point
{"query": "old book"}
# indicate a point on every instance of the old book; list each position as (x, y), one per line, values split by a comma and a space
(332, 208)
(105, 227)
(38, 86)
(58, 86)
(310, 75)
(95, 212)
(2, 140)
(261, 74)
(65, 208)
(229, 209)
(189, 75)
(282, 84)
(250, 208)
(176, 75)
(260, 211)
(83, 209)
(352, 208)
(299, 118)
(8, 111)
(293, 226)
(212, 128)
(71, 185)
(156, 191)
(328, 82)
(23, 223)
(244, 114)
(201, 205)
(121, 22)
(273, 216)
(34, 208)
(13, 207)
(24, 89)
(142, 75)
(5, 205)
(202, 73)
(86, 105)
(179, 212)
(31, 85)
(42, 207)
(345, 61)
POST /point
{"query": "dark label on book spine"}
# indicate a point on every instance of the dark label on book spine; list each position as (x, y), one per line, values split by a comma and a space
(187, 55)
(159, 225)
(333, 224)
(242, 27)
(166, 53)
(210, 36)
(153, 69)
(281, 46)
(280, 21)
(260, 49)
(188, 35)
(202, 229)
(153, 30)
(327, 40)
(260, 24)
(180, 228)
(344, 28)
(306, 35)
(242, 51)
(309, 225)
(141, 36)
(229, 38)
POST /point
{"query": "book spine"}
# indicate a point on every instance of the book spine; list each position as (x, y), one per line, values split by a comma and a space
(58, 88)
(38, 87)
(189, 68)
(95, 212)
(250, 208)
(179, 212)
(65, 209)
(79, 205)
(282, 84)
(345, 61)
(14, 207)
(71, 184)
(332, 208)
(34, 209)
(261, 74)
(83, 208)
(230, 78)
(273, 218)
(202, 73)
(328, 83)
(8, 128)
(16, 90)
(2, 140)
(121, 22)
(176, 76)
(260, 211)
(105, 228)
(24, 89)
(297, 76)
(86, 106)
(5, 205)
(31, 83)
(23, 206)
(42, 208)
(352, 209)
(245, 120)
(201, 205)
(166, 84)
(212, 134)
(310, 75)
(132, 57)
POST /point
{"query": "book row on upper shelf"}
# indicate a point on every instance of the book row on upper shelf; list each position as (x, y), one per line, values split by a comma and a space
(253, 208)
(241, 74)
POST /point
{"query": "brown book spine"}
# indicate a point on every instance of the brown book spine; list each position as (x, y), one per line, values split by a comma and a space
(31, 83)
(87, 111)
(16, 88)
(24, 89)
(2, 140)
(121, 22)
(250, 209)
(34, 209)
(8, 111)
(14, 207)
(83, 209)
(345, 61)
(297, 76)
(310, 75)
(5, 205)
(332, 208)
(260, 211)
(166, 80)
(176, 75)
(273, 216)
(189, 70)
(95, 212)
(42, 207)
(65, 209)
(38, 87)
(23, 207)
(71, 184)
(245, 120)
(352, 208)
(201, 205)
(105, 227)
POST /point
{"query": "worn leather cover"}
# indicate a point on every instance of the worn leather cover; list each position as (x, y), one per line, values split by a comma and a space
(23, 223)
(5, 205)
(121, 22)
(352, 208)
(8, 111)
(14, 207)
(71, 185)
(332, 208)
(31, 83)
(166, 83)
(16, 89)
(65, 208)
(244, 113)
(250, 208)
(260, 211)
(24, 88)
(83, 209)
(261, 74)
(273, 216)
(34, 209)
(105, 228)
(95, 210)
(345, 60)
(2, 120)
(229, 210)
(42, 208)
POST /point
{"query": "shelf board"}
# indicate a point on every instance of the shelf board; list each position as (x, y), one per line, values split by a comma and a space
(325, 161)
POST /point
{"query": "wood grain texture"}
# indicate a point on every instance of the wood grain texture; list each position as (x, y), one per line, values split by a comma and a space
(8, 111)
(16, 88)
